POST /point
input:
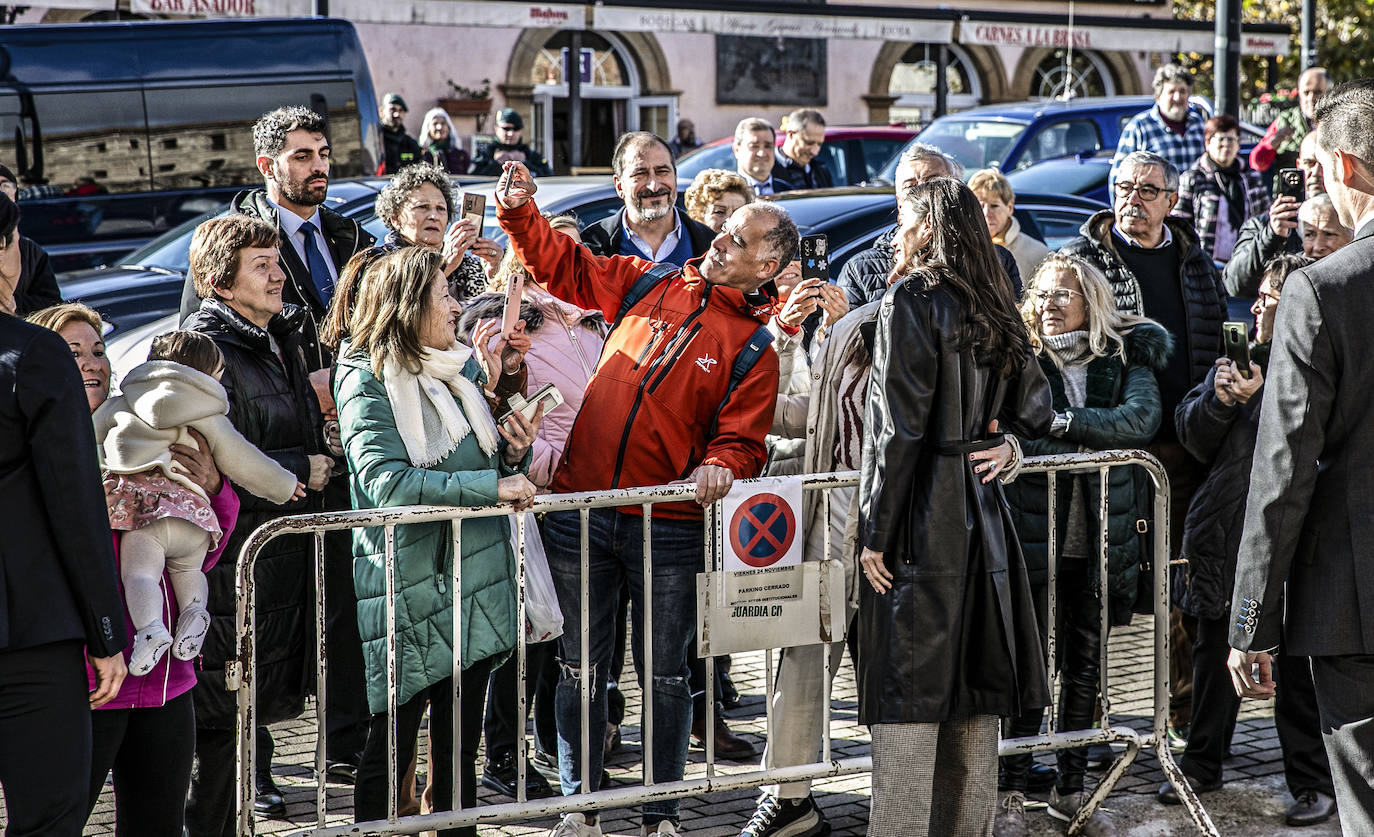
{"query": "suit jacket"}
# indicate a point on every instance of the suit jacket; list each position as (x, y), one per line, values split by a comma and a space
(57, 567)
(787, 170)
(1309, 520)
(603, 238)
(344, 238)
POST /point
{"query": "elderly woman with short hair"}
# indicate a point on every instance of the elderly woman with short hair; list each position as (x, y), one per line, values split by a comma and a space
(998, 201)
(416, 206)
(714, 196)
(417, 430)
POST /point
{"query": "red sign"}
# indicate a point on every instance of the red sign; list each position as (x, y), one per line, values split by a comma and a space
(762, 530)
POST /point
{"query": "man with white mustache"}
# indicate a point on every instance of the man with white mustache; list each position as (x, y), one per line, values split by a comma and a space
(650, 226)
(1159, 270)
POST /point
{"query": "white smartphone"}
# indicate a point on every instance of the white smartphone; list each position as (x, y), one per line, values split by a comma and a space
(511, 315)
(548, 395)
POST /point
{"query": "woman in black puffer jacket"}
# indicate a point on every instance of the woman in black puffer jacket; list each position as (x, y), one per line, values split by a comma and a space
(1101, 366)
(1218, 422)
(272, 404)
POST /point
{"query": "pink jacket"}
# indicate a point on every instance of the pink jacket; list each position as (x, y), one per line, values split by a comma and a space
(563, 351)
(170, 678)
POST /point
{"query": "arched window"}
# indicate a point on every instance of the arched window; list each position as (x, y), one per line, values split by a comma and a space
(1058, 77)
(913, 83)
(608, 69)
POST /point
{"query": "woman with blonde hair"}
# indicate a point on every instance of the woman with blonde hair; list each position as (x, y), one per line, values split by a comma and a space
(1101, 366)
(417, 430)
(714, 196)
(998, 202)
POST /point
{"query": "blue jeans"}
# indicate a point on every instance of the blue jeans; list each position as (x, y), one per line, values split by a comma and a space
(615, 543)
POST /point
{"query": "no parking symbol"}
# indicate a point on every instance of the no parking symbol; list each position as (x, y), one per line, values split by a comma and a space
(762, 525)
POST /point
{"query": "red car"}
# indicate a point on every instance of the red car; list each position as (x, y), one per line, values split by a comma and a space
(852, 154)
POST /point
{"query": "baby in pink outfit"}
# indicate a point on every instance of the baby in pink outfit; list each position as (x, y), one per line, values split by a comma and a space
(167, 517)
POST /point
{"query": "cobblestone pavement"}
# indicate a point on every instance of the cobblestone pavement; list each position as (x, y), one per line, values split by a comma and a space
(1252, 802)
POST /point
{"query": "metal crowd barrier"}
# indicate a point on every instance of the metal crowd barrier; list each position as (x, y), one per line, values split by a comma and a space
(241, 671)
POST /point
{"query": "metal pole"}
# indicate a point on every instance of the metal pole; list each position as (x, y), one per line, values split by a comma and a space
(319, 8)
(1226, 58)
(1309, 33)
(574, 70)
(941, 79)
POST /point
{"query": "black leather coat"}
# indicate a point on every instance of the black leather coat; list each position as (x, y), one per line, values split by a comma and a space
(956, 636)
(272, 404)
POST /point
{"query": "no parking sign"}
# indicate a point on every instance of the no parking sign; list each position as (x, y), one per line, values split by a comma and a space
(762, 522)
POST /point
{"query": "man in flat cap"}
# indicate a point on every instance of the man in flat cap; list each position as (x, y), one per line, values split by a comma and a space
(509, 146)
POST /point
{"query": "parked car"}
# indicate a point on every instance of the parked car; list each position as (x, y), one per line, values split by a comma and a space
(852, 218)
(1081, 174)
(1017, 135)
(853, 155)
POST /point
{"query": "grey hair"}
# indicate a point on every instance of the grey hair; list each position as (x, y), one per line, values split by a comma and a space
(1343, 118)
(801, 117)
(748, 126)
(1144, 159)
(269, 132)
(394, 195)
(783, 240)
(1170, 73)
(918, 151)
(636, 139)
(1317, 202)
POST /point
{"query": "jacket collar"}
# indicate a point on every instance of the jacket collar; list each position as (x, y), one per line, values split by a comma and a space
(759, 305)
(248, 333)
(1098, 229)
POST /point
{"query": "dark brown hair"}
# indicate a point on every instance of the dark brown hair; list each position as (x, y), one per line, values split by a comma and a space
(189, 348)
(215, 248)
(961, 257)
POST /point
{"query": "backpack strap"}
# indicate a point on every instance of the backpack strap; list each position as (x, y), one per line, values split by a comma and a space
(647, 281)
(748, 356)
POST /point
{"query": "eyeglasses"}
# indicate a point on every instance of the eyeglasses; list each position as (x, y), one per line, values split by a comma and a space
(1146, 191)
(1061, 297)
(1225, 140)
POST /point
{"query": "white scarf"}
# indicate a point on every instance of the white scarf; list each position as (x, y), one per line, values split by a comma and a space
(433, 427)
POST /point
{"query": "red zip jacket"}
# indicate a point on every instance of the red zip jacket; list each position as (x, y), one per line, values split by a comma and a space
(662, 375)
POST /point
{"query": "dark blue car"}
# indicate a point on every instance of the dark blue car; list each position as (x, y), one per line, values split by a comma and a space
(1016, 135)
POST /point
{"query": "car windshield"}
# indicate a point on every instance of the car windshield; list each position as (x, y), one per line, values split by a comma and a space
(169, 251)
(975, 143)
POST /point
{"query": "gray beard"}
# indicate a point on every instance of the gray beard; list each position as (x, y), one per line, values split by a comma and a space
(648, 216)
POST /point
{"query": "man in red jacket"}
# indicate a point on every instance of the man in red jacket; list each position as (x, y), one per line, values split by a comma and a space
(684, 392)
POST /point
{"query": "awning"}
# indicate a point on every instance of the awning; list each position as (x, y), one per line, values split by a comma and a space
(769, 18)
(1129, 35)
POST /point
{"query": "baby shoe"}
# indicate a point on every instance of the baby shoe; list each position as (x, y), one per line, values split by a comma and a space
(191, 629)
(150, 643)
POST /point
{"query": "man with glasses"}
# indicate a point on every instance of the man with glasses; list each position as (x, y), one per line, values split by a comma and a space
(1159, 270)
(509, 147)
(796, 161)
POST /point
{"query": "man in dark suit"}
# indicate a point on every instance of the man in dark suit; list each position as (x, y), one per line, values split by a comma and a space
(1309, 523)
(650, 226)
(59, 591)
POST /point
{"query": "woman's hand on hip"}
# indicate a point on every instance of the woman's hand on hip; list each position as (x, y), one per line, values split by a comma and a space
(516, 489)
(875, 570)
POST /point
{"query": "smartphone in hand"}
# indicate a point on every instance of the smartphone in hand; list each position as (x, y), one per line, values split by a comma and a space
(475, 210)
(1235, 337)
(815, 257)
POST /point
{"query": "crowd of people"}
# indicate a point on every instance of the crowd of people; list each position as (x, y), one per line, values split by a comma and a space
(317, 369)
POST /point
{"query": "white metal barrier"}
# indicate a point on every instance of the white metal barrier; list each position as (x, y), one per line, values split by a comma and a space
(241, 671)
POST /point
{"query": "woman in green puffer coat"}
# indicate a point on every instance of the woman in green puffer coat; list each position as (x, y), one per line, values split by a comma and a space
(417, 430)
(1101, 365)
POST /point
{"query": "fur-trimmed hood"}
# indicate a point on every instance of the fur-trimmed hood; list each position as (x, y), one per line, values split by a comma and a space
(1148, 345)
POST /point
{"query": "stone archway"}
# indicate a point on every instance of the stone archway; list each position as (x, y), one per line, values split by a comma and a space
(1120, 70)
(655, 77)
(981, 60)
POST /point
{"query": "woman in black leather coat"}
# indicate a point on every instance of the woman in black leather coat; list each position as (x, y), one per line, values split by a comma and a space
(946, 624)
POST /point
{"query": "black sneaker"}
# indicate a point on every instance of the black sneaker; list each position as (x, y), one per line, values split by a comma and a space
(502, 775)
(786, 818)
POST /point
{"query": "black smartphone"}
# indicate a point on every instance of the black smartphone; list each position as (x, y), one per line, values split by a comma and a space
(1292, 183)
(815, 257)
(1235, 337)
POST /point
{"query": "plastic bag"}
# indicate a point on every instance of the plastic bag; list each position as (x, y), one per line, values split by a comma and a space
(543, 617)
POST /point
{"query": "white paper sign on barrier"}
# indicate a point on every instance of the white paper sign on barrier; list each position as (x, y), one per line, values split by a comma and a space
(761, 525)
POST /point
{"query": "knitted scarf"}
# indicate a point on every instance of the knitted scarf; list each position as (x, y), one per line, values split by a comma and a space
(429, 421)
